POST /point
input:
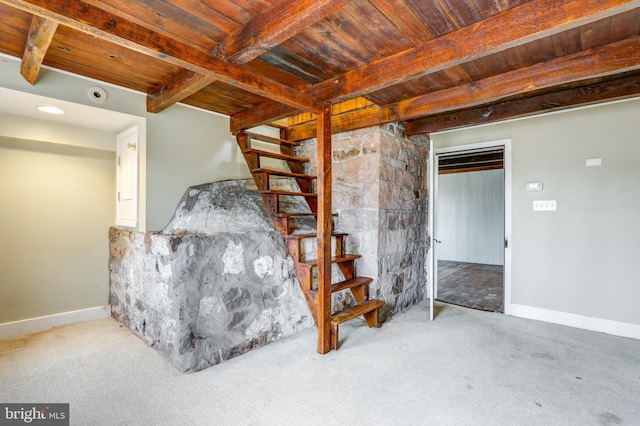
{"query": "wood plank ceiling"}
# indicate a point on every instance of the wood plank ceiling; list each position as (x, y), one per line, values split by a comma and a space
(435, 64)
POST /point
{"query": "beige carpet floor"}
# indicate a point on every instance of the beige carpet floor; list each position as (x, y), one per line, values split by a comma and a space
(466, 368)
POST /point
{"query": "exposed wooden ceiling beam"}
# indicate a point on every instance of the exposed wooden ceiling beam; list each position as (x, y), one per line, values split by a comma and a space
(474, 162)
(84, 17)
(356, 119)
(278, 23)
(601, 61)
(247, 118)
(39, 38)
(598, 92)
(259, 115)
(275, 25)
(533, 20)
(175, 89)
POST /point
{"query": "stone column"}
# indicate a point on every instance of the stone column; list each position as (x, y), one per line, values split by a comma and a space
(380, 196)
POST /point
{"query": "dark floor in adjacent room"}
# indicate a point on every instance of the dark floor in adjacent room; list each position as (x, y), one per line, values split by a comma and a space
(473, 285)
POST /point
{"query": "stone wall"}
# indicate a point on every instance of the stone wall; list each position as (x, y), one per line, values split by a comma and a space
(216, 282)
(379, 193)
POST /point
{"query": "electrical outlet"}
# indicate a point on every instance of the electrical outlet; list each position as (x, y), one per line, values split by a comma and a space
(544, 205)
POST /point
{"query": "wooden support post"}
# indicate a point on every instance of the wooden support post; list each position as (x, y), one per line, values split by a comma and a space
(39, 39)
(324, 229)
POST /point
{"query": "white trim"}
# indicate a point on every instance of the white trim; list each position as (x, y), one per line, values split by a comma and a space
(431, 267)
(473, 146)
(506, 158)
(506, 143)
(601, 325)
(434, 196)
(34, 325)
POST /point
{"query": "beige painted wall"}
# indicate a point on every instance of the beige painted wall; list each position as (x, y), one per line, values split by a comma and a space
(184, 146)
(583, 258)
(55, 258)
(57, 205)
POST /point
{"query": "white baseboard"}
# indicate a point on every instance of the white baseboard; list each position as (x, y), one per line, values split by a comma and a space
(34, 325)
(616, 328)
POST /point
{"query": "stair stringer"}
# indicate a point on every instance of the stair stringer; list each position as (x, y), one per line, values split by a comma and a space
(293, 241)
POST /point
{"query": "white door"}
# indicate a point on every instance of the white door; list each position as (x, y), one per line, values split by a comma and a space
(128, 147)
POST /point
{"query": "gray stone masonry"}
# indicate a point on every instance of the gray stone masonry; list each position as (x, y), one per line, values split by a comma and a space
(218, 281)
(380, 196)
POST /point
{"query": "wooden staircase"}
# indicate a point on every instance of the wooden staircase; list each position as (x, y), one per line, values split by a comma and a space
(316, 288)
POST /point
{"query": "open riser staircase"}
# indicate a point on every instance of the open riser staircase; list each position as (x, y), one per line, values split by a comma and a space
(269, 167)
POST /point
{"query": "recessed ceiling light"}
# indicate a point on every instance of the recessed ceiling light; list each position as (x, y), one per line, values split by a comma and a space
(97, 94)
(50, 109)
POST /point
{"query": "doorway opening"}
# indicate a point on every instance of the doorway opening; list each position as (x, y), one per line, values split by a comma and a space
(471, 225)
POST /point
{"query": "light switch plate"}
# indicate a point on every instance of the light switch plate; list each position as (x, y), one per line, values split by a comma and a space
(544, 205)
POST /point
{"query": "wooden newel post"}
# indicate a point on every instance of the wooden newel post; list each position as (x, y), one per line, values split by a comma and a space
(324, 229)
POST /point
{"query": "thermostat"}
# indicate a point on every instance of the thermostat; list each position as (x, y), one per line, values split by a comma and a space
(534, 186)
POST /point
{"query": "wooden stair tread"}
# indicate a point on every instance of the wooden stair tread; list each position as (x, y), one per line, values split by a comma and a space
(300, 214)
(283, 173)
(304, 235)
(344, 285)
(355, 311)
(271, 139)
(285, 215)
(336, 259)
(300, 194)
(275, 155)
(304, 270)
(353, 282)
